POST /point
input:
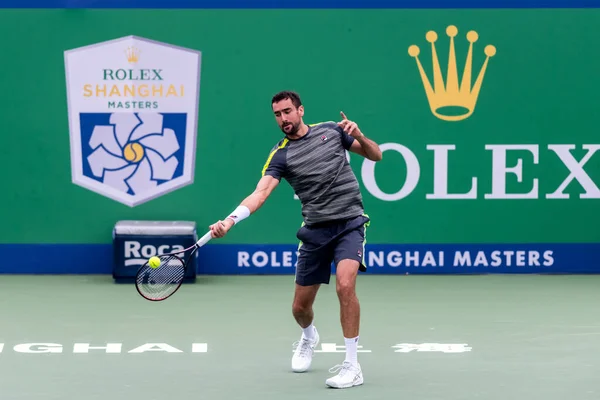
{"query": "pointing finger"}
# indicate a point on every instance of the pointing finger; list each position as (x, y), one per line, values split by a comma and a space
(343, 115)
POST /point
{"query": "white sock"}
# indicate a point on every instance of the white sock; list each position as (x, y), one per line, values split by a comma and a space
(351, 350)
(309, 332)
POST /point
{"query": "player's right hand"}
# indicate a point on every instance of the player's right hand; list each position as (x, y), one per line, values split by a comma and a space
(220, 228)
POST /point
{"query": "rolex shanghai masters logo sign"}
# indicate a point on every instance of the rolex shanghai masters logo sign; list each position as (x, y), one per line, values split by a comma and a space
(133, 109)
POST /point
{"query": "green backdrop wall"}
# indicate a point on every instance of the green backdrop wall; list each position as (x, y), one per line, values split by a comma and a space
(539, 90)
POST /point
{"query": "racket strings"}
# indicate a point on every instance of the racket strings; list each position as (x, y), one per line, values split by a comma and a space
(159, 283)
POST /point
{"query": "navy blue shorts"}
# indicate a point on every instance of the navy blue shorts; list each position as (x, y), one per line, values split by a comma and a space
(326, 243)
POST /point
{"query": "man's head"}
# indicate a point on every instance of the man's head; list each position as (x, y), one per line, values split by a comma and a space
(288, 110)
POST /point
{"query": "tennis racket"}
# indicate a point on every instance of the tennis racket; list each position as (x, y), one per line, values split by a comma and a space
(160, 283)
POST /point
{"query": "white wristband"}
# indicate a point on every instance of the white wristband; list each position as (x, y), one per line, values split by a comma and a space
(240, 213)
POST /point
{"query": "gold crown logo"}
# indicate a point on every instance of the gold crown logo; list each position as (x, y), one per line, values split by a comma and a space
(133, 55)
(451, 95)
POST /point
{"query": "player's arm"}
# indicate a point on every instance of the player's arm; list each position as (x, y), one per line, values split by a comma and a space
(355, 141)
(366, 147)
(263, 190)
(273, 170)
(247, 207)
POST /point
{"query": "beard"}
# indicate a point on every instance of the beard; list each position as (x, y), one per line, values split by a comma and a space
(293, 128)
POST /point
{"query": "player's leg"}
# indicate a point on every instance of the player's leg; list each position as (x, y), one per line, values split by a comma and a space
(312, 270)
(350, 372)
(346, 272)
(349, 258)
(302, 306)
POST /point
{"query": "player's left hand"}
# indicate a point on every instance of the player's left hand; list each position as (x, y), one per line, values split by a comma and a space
(350, 127)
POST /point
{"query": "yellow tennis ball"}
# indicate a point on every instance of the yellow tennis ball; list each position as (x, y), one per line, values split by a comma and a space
(154, 262)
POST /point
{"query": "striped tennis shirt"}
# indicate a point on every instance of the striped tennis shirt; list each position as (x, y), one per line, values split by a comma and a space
(318, 171)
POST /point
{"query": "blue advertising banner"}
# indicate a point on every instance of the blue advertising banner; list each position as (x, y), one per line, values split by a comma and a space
(216, 259)
(414, 259)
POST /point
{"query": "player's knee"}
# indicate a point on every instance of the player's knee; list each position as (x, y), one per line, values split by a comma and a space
(300, 307)
(346, 278)
(345, 287)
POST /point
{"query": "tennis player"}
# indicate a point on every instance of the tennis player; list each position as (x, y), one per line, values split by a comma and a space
(313, 160)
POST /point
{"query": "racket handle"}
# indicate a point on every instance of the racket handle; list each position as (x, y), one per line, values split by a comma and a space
(204, 239)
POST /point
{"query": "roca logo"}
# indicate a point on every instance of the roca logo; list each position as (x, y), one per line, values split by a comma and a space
(136, 254)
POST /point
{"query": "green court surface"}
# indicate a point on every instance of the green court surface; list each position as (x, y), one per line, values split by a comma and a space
(522, 337)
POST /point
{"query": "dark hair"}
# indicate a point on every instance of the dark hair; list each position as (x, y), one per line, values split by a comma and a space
(286, 94)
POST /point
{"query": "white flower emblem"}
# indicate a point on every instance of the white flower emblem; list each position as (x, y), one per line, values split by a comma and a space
(133, 154)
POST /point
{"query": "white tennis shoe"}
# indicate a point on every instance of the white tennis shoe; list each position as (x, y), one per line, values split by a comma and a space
(349, 375)
(304, 350)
